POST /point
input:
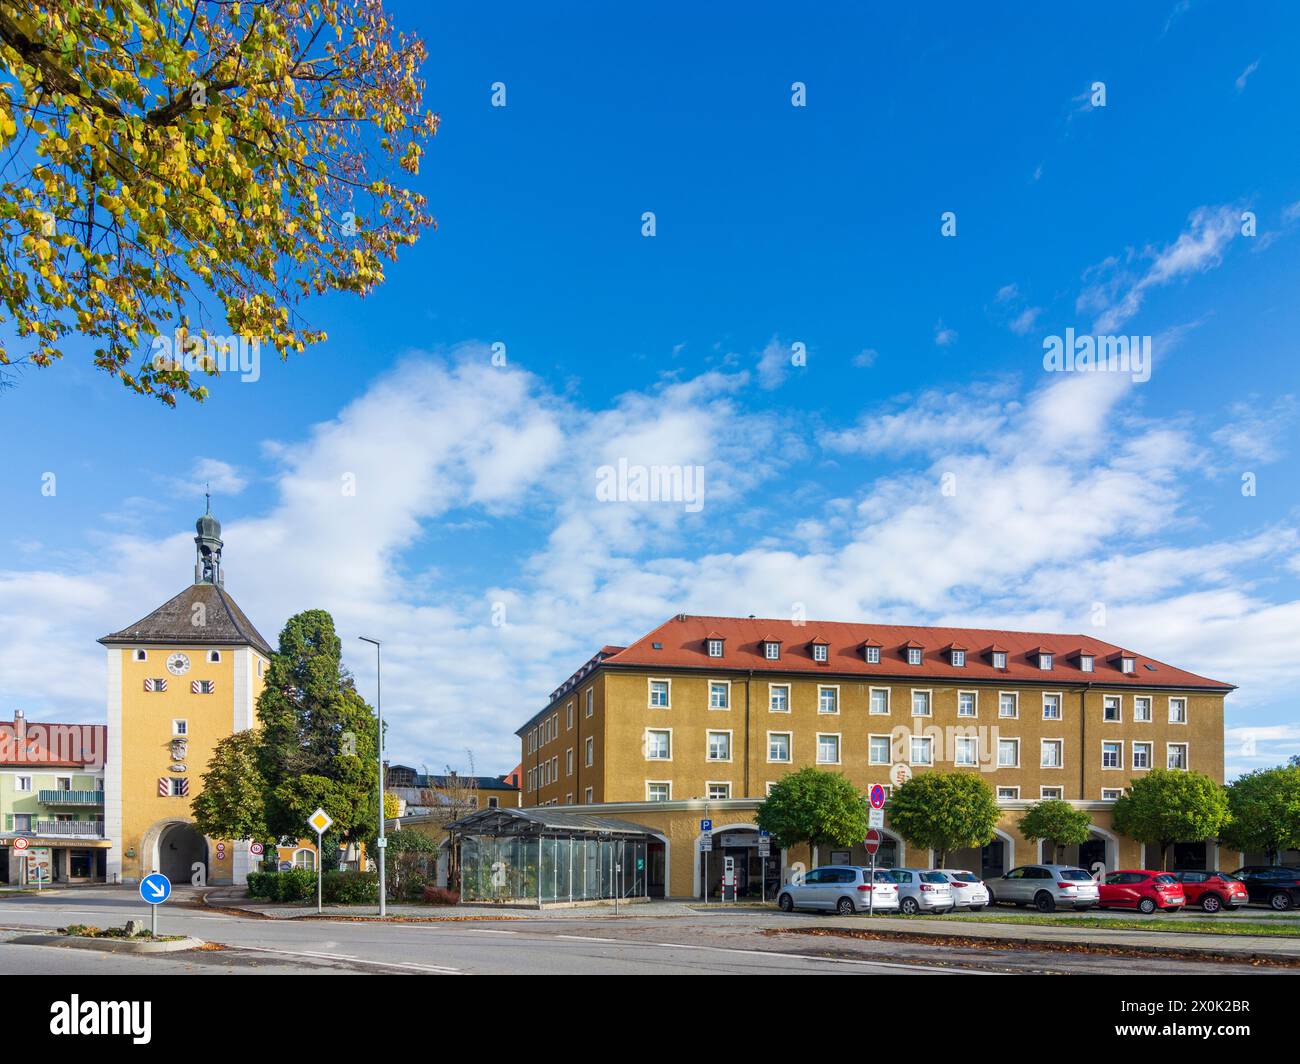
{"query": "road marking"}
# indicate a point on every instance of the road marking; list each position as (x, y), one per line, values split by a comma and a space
(344, 957)
(488, 931)
(772, 953)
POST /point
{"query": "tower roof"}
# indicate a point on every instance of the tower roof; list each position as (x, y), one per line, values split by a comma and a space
(172, 623)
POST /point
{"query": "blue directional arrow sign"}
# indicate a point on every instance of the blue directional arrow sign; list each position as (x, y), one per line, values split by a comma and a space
(155, 888)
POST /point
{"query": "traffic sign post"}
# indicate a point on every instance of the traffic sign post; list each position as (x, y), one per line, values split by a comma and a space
(877, 797)
(764, 852)
(706, 848)
(319, 822)
(155, 889)
(872, 844)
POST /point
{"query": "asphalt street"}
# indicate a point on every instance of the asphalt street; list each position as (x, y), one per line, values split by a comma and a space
(730, 943)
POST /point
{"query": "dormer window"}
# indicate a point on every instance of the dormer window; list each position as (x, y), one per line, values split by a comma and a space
(914, 655)
(1126, 661)
(872, 653)
(957, 657)
(715, 648)
(772, 649)
(1045, 662)
(820, 650)
(999, 659)
(1085, 663)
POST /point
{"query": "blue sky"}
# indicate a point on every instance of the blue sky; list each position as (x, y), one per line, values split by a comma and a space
(775, 225)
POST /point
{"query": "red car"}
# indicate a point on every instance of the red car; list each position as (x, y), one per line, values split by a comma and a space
(1141, 890)
(1213, 891)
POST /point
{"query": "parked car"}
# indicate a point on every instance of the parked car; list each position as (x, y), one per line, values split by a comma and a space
(1212, 891)
(968, 890)
(845, 889)
(1045, 887)
(922, 890)
(1133, 888)
(1274, 885)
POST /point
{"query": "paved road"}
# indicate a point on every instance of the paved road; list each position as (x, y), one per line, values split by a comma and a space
(735, 943)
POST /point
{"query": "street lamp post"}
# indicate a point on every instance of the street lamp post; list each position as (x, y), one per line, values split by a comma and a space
(382, 842)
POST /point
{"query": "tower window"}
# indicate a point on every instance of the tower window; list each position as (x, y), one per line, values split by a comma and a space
(214, 656)
(203, 687)
(140, 655)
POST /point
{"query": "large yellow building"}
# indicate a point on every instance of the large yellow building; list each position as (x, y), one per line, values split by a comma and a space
(179, 681)
(697, 720)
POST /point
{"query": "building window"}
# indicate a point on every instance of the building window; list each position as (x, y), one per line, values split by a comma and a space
(180, 727)
(568, 761)
(1008, 753)
(23, 784)
(1051, 792)
(719, 792)
(587, 796)
(493, 803)
(1127, 665)
(820, 651)
(658, 745)
(591, 701)
(203, 687)
(999, 659)
(967, 704)
(920, 703)
(772, 651)
(1110, 794)
(1141, 756)
(1178, 711)
(1008, 794)
(878, 750)
(1142, 709)
(1110, 709)
(880, 701)
(1085, 663)
(828, 749)
(778, 746)
(958, 659)
(659, 694)
(719, 746)
(1176, 756)
(304, 859)
(719, 692)
(568, 717)
(778, 698)
(589, 753)
(156, 684)
(1045, 662)
(914, 655)
(967, 751)
(260, 666)
(658, 792)
(22, 822)
(715, 648)
(214, 657)
(1051, 707)
(922, 750)
(1112, 755)
(873, 655)
(178, 786)
(1008, 704)
(828, 700)
(1052, 754)
(140, 655)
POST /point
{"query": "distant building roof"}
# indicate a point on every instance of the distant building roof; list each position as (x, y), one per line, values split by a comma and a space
(224, 623)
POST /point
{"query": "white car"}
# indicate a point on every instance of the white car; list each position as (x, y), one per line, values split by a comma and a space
(845, 889)
(968, 890)
(922, 891)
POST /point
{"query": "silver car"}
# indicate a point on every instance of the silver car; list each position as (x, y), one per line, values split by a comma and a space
(921, 890)
(968, 890)
(1046, 887)
(845, 889)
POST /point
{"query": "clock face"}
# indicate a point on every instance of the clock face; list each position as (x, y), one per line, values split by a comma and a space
(178, 663)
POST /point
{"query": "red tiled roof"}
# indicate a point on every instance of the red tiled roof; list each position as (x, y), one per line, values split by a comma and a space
(683, 643)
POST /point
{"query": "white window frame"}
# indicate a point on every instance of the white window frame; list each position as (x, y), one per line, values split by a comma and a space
(1015, 705)
(1060, 704)
(657, 783)
(839, 748)
(568, 717)
(835, 688)
(717, 783)
(958, 659)
(999, 659)
(929, 747)
(871, 705)
(1182, 700)
(1118, 700)
(1087, 663)
(1151, 709)
(587, 796)
(970, 742)
(1042, 743)
(789, 748)
(821, 652)
(889, 748)
(871, 655)
(789, 695)
(658, 731)
(214, 657)
(22, 784)
(589, 753)
(929, 701)
(1015, 741)
(1045, 662)
(180, 728)
(139, 655)
(650, 692)
(726, 695)
(715, 648)
(1148, 748)
(568, 761)
(591, 701)
(1112, 794)
(917, 653)
(1117, 744)
(1128, 666)
(1051, 791)
(975, 700)
(1000, 797)
(1187, 756)
(771, 650)
(708, 743)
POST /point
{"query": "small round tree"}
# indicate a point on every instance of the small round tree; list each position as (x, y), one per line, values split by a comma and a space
(1058, 822)
(813, 806)
(944, 811)
(1172, 805)
(1265, 810)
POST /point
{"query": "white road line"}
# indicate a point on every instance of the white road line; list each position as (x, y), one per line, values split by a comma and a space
(489, 931)
(344, 957)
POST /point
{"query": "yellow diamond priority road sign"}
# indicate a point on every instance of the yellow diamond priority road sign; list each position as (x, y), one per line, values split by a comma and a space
(320, 821)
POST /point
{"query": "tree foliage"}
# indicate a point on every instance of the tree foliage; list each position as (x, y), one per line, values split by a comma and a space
(232, 804)
(1056, 821)
(157, 154)
(1168, 806)
(1265, 810)
(813, 806)
(944, 811)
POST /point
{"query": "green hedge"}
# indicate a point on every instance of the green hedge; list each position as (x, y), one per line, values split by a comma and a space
(351, 888)
(298, 884)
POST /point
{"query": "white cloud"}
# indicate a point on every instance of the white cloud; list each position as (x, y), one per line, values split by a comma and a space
(943, 336)
(1256, 428)
(1245, 74)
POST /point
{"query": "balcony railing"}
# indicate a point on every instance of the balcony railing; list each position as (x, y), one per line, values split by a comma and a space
(71, 797)
(84, 829)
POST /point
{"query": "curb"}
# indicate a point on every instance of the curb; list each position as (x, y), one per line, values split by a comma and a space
(107, 945)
